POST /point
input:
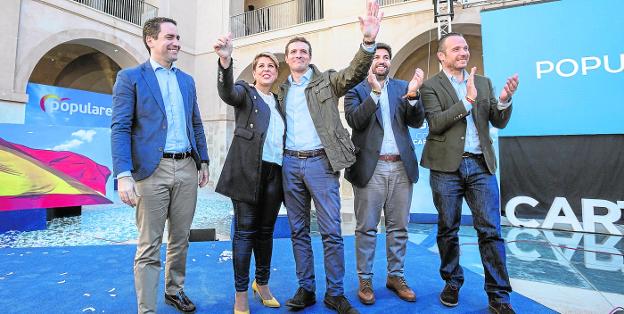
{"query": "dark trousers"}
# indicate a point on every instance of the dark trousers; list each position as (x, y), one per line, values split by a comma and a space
(254, 224)
(473, 182)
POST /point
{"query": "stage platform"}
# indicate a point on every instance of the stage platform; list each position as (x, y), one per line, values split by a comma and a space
(98, 279)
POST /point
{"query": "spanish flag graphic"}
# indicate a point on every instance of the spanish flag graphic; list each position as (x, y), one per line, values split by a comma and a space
(37, 178)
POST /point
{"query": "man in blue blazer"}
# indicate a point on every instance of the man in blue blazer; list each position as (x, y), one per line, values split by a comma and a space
(159, 158)
(380, 110)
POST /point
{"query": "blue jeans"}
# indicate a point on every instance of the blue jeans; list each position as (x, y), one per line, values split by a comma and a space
(473, 182)
(312, 179)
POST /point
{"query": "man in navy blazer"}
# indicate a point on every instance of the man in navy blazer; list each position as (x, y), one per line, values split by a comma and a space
(159, 158)
(380, 110)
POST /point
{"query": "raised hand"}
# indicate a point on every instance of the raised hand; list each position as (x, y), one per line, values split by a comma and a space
(223, 47)
(416, 82)
(372, 80)
(471, 90)
(510, 88)
(369, 23)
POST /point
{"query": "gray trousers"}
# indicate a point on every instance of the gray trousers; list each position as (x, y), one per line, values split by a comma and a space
(388, 189)
(169, 194)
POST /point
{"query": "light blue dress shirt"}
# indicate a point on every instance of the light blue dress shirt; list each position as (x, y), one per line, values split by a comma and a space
(300, 130)
(472, 144)
(272, 149)
(177, 138)
(388, 144)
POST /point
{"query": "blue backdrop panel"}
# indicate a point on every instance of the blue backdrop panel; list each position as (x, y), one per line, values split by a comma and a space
(51, 105)
(570, 59)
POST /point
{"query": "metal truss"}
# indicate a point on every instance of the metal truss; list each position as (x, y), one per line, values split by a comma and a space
(443, 15)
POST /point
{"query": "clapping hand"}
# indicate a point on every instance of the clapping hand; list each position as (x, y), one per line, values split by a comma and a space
(372, 81)
(416, 82)
(471, 89)
(509, 89)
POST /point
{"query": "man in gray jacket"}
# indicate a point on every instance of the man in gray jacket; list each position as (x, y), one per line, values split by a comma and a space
(317, 147)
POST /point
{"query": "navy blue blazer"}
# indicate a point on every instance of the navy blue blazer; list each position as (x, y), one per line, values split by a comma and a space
(139, 122)
(364, 116)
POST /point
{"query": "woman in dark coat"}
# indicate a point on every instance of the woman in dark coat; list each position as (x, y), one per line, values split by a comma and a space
(252, 173)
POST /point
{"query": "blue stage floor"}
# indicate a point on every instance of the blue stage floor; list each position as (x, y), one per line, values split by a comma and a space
(98, 279)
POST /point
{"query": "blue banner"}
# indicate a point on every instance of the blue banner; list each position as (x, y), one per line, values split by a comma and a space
(570, 58)
(57, 106)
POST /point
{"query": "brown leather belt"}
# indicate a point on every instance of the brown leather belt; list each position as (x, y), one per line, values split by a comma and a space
(471, 155)
(177, 155)
(393, 158)
(303, 154)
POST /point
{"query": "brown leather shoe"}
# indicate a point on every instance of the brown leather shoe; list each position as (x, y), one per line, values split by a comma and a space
(365, 292)
(400, 287)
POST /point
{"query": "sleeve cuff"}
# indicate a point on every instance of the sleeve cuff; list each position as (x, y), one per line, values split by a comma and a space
(124, 174)
(369, 48)
(503, 105)
(467, 105)
(374, 97)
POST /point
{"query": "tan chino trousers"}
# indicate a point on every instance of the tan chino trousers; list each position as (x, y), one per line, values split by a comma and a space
(169, 194)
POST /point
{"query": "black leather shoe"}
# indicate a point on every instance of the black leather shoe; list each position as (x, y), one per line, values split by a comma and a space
(340, 304)
(180, 301)
(501, 308)
(449, 295)
(302, 299)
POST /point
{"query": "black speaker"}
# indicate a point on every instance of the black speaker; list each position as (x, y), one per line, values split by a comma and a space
(60, 212)
(201, 235)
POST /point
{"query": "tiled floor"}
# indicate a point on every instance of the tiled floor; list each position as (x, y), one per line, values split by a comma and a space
(569, 272)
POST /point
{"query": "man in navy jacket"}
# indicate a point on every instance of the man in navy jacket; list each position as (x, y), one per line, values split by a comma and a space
(379, 110)
(159, 158)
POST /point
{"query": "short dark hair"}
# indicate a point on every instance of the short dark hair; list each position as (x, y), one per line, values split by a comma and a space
(298, 39)
(442, 40)
(385, 47)
(151, 28)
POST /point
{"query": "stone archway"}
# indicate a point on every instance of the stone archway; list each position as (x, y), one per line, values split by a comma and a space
(122, 53)
(77, 67)
(421, 52)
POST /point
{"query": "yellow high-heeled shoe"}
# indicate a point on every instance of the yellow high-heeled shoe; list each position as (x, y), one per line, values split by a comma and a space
(268, 303)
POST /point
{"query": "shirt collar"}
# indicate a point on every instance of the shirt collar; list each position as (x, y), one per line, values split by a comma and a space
(305, 78)
(452, 78)
(155, 65)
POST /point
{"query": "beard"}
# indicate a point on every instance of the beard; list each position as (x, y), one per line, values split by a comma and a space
(381, 75)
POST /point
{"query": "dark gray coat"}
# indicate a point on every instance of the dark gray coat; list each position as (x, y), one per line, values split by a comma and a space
(446, 116)
(240, 177)
(322, 94)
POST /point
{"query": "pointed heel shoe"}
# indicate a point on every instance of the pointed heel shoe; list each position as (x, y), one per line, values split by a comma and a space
(268, 303)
